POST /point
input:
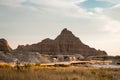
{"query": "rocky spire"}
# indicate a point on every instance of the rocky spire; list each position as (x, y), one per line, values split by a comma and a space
(67, 35)
(65, 31)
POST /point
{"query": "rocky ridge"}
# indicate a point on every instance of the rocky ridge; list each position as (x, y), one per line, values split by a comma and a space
(5, 50)
(65, 43)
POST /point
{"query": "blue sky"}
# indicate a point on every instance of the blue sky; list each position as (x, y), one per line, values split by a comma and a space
(95, 22)
(95, 3)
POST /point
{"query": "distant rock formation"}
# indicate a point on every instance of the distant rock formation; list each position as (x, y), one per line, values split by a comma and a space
(4, 46)
(32, 57)
(6, 57)
(65, 43)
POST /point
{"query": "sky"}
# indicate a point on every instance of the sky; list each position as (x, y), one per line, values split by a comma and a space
(95, 22)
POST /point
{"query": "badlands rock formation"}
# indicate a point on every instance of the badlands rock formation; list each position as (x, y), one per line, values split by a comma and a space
(65, 43)
(4, 46)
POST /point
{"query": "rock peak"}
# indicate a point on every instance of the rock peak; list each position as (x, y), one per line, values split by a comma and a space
(4, 46)
(3, 39)
(66, 31)
(66, 35)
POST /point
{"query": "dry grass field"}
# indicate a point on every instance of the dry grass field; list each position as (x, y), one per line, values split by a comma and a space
(58, 73)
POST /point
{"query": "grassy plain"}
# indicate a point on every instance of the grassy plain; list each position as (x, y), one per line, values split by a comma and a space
(58, 73)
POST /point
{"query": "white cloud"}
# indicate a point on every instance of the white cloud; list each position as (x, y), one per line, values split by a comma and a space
(11, 2)
(98, 10)
(41, 3)
(65, 7)
(113, 12)
(112, 26)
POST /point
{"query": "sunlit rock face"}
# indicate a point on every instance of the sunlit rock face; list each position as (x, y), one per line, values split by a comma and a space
(5, 51)
(65, 43)
(4, 46)
(32, 57)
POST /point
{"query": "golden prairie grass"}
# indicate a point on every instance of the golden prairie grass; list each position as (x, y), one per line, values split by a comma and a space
(59, 73)
(5, 65)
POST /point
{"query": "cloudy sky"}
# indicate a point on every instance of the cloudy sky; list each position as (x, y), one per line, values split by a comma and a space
(95, 22)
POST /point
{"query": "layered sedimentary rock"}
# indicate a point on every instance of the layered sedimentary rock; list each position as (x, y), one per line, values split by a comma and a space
(65, 43)
(6, 57)
(4, 46)
(33, 57)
